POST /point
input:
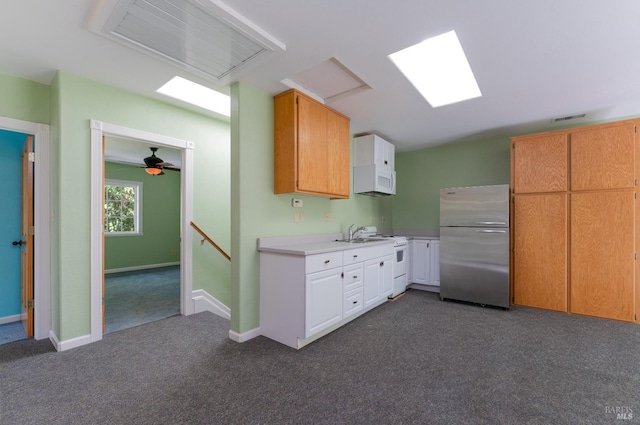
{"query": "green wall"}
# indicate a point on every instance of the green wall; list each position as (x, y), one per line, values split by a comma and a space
(422, 173)
(78, 101)
(257, 212)
(24, 100)
(160, 239)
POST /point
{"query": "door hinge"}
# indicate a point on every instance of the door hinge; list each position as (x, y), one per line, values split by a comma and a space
(30, 304)
(32, 230)
(32, 157)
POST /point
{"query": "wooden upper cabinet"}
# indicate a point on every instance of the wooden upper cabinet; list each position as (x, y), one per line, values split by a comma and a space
(603, 254)
(603, 156)
(539, 163)
(540, 246)
(311, 147)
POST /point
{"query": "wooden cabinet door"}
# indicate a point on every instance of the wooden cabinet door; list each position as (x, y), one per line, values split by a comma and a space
(338, 155)
(602, 254)
(540, 163)
(312, 146)
(603, 157)
(540, 251)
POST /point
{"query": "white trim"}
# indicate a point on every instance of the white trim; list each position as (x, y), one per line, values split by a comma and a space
(203, 301)
(98, 128)
(42, 224)
(10, 319)
(145, 267)
(69, 343)
(246, 336)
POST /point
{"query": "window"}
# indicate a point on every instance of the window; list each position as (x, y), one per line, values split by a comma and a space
(122, 207)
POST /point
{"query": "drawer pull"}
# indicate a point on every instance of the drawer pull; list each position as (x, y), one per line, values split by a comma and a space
(355, 256)
(327, 261)
(355, 302)
(355, 277)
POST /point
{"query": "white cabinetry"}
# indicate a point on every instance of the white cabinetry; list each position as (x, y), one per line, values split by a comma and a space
(425, 264)
(305, 297)
(374, 150)
(323, 300)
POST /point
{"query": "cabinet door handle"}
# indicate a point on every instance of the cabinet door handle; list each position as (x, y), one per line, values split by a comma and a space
(355, 277)
(327, 261)
(355, 302)
(355, 256)
(381, 263)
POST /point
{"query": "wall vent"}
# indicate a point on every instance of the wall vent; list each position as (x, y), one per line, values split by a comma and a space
(567, 118)
(205, 36)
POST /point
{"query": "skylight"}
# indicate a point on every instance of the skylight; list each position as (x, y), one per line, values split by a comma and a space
(198, 95)
(439, 70)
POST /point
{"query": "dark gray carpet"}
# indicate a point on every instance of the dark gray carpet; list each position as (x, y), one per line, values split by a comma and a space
(10, 332)
(413, 361)
(139, 297)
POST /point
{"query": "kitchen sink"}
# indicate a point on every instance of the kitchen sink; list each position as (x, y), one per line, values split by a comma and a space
(358, 240)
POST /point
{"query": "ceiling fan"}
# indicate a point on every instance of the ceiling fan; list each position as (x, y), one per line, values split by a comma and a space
(155, 165)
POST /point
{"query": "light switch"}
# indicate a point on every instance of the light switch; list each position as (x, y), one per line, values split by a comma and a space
(297, 203)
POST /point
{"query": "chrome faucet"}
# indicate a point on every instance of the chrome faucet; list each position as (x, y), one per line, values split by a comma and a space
(352, 233)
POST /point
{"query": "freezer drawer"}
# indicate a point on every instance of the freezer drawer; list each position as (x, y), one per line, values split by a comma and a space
(474, 265)
(480, 206)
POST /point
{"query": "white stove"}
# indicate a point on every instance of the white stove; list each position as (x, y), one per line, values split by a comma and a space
(400, 244)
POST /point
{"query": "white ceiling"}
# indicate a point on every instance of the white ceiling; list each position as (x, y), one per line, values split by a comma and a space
(533, 60)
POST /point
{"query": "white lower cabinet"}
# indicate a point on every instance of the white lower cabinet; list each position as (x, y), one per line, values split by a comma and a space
(305, 297)
(323, 300)
(425, 263)
(378, 279)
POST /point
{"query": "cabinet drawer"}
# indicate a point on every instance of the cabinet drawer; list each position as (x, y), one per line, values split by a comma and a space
(353, 302)
(353, 277)
(358, 255)
(319, 262)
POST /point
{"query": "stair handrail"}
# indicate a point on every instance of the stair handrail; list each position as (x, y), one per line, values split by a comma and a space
(208, 239)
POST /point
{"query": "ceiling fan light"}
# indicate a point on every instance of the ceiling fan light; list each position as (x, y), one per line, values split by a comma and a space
(154, 171)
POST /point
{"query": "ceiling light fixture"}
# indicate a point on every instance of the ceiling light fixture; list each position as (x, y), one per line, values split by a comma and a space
(196, 94)
(439, 70)
(154, 171)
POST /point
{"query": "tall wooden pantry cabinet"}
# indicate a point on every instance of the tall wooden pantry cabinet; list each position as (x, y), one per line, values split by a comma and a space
(575, 226)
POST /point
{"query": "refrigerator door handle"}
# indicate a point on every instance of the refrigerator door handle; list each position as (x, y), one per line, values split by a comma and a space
(491, 231)
(492, 223)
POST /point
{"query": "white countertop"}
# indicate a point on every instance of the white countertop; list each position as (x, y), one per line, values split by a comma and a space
(309, 245)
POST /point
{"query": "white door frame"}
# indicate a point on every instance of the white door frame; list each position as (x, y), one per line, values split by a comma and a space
(98, 128)
(42, 224)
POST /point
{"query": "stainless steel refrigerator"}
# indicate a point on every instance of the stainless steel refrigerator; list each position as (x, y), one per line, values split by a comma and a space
(474, 244)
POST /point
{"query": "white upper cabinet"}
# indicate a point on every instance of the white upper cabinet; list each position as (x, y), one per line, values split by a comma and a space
(374, 150)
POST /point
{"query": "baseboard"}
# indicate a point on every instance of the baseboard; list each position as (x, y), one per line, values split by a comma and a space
(145, 267)
(10, 319)
(203, 301)
(245, 336)
(69, 343)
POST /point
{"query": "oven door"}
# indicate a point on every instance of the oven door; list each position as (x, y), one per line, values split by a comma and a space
(400, 261)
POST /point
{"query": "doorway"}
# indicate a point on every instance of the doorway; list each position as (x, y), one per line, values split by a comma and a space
(11, 328)
(41, 269)
(185, 148)
(142, 234)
